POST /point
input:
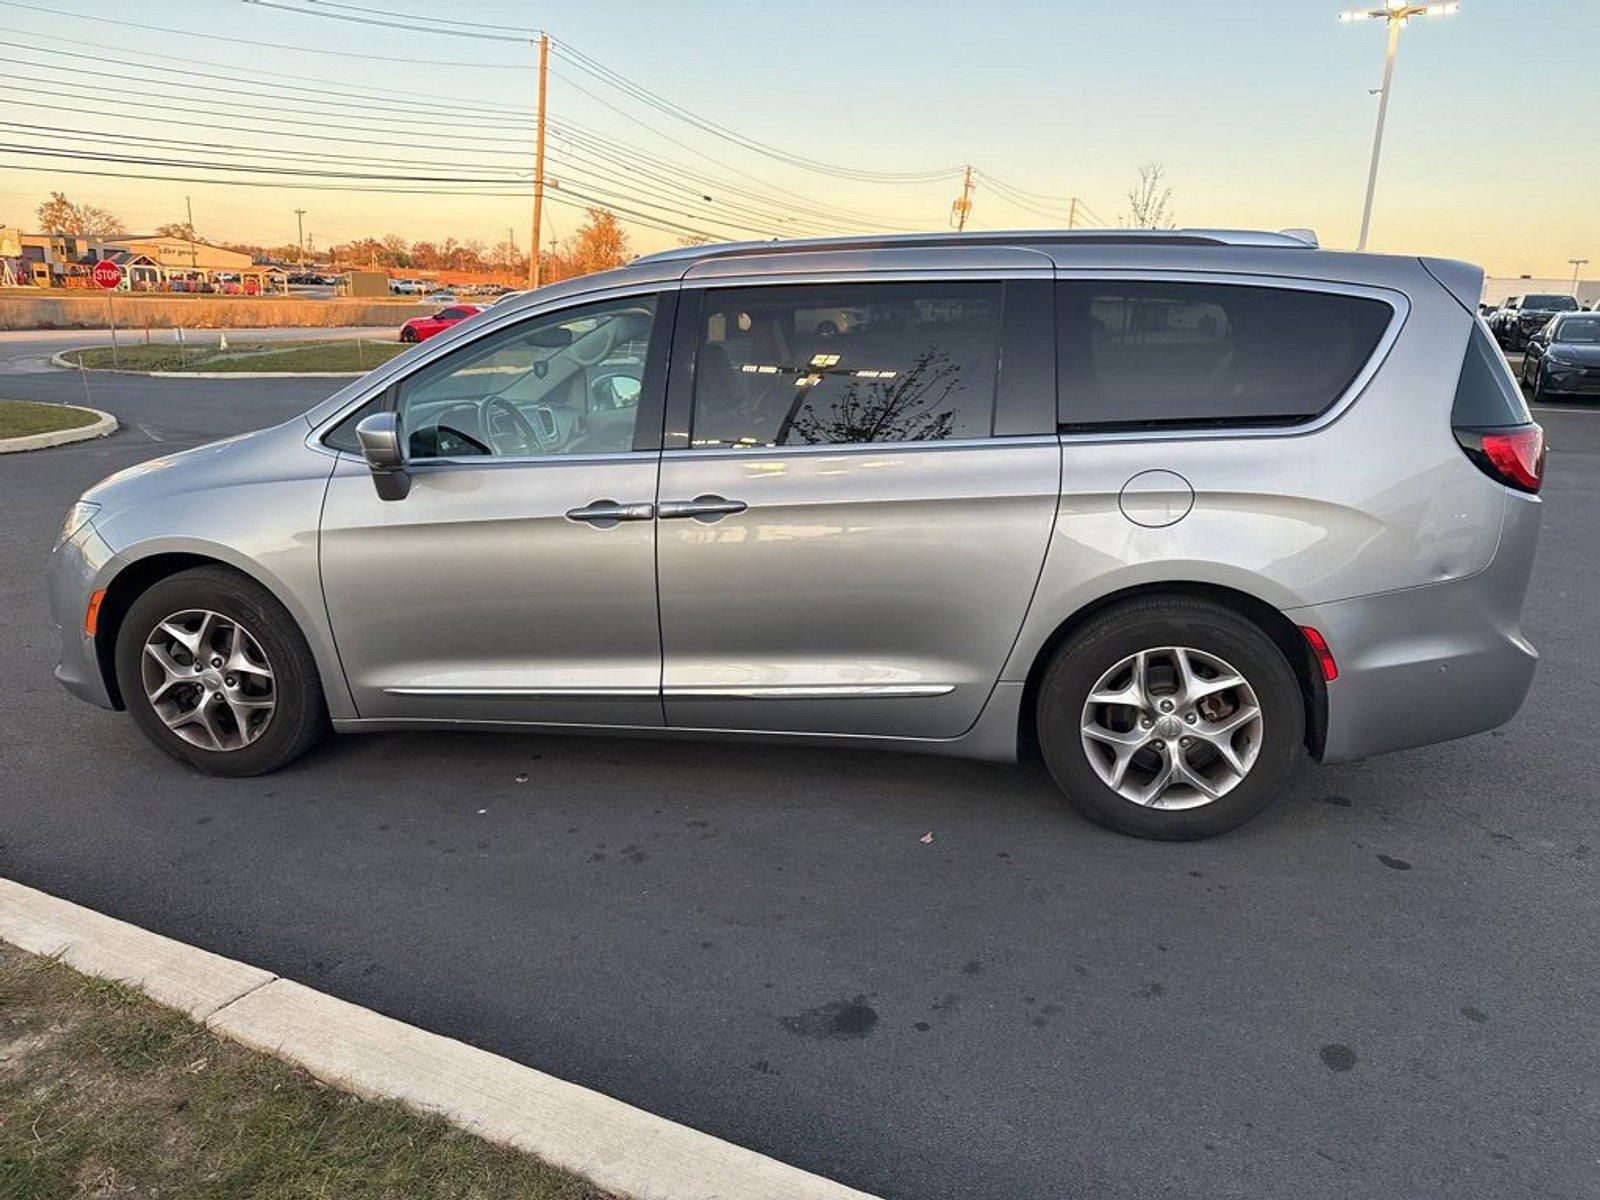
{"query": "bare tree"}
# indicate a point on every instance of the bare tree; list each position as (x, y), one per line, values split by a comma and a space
(1150, 200)
(59, 215)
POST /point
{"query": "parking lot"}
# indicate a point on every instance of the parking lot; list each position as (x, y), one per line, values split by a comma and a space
(1386, 986)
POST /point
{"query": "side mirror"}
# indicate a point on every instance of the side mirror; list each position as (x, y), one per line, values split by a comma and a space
(379, 438)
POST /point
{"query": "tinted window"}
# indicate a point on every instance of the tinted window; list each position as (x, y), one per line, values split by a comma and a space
(451, 314)
(841, 363)
(1487, 395)
(563, 383)
(1551, 303)
(1147, 353)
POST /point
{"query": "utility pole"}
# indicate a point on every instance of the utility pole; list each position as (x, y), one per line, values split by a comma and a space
(962, 208)
(1396, 13)
(511, 248)
(538, 164)
(300, 232)
(194, 253)
(1072, 214)
(1577, 265)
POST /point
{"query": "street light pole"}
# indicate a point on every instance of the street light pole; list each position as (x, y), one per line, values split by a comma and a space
(1396, 13)
(1577, 265)
(300, 232)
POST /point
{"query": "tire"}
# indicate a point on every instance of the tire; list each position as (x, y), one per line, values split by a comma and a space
(1537, 394)
(408, 336)
(1212, 636)
(277, 667)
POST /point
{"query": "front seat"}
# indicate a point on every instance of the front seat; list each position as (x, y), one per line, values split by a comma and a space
(718, 399)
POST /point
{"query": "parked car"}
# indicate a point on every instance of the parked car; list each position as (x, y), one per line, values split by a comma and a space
(1563, 358)
(406, 287)
(1515, 321)
(420, 329)
(1181, 508)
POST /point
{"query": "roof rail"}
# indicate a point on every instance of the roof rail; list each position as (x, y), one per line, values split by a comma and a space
(1294, 238)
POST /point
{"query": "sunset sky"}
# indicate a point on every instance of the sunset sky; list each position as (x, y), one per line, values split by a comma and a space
(1259, 111)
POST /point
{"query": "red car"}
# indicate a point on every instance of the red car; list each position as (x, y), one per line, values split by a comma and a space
(420, 329)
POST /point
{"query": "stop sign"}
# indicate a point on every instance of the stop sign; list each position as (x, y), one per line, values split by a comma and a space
(107, 274)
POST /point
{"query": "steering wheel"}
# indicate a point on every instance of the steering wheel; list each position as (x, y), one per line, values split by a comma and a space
(497, 406)
(610, 329)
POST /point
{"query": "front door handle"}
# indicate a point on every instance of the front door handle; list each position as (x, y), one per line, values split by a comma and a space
(701, 508)
(603, 514)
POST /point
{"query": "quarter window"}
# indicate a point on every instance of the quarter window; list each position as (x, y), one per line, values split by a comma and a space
(1147, 353)
(846, 363)
(563, 383)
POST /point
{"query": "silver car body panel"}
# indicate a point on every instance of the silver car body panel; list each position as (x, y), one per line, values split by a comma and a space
(890, 594)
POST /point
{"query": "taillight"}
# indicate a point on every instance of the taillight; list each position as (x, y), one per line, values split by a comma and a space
(1512, 456)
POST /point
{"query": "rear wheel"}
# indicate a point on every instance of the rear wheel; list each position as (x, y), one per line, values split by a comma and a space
(408, 335)
(1170, 718)
(214, 672)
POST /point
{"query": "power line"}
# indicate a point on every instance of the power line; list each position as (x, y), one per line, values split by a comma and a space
(278, 78)
(251, 116)
(312, 107)
(217, 37)
(598, 70)
(332, 16)
(594, 67)
(420, 17)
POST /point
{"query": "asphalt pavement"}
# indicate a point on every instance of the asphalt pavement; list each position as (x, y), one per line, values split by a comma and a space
(1384, 987)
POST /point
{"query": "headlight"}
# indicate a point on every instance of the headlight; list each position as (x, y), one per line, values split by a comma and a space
(79, 515)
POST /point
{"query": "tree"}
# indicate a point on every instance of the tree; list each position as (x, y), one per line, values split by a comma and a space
(599, 244)
(399, 252)
(1150, 200)
(178, 229)
(59, 215)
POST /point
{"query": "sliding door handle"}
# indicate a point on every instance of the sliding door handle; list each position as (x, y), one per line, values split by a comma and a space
(701, 508)
(603, 514)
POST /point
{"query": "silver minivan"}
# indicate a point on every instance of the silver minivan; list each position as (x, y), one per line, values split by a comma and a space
(1177, 508)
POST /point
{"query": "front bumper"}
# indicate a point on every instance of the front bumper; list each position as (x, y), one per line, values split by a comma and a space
(74, 567)
(1565, 379)
(1433, 663)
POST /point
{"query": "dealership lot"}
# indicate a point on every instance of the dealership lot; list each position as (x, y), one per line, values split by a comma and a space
(1385, 986)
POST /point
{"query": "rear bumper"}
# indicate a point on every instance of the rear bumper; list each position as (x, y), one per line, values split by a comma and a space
(1431, 664)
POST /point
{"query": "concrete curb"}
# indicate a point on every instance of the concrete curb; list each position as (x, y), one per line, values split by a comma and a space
(616, 1146)
(60, 360)
(104, 427)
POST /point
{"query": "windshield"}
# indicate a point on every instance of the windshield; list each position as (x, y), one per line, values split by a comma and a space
(1579, 329)
(1551, 303)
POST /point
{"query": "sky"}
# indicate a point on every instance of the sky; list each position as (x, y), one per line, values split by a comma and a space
(1259, 111)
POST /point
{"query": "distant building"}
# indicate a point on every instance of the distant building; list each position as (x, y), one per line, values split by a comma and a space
(1497, 289)
(150, 263)
(180, 252)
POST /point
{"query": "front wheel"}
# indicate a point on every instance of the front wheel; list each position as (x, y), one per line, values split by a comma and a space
(1170, 718)
(215, 672)
(1539, 392)
(408, 335)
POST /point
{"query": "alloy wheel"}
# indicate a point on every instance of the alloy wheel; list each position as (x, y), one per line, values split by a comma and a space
(208, 679)
(1172, 728)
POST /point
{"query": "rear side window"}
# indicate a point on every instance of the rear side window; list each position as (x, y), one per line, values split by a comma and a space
(1487, 396)
(1138, 354)
(835, 364)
